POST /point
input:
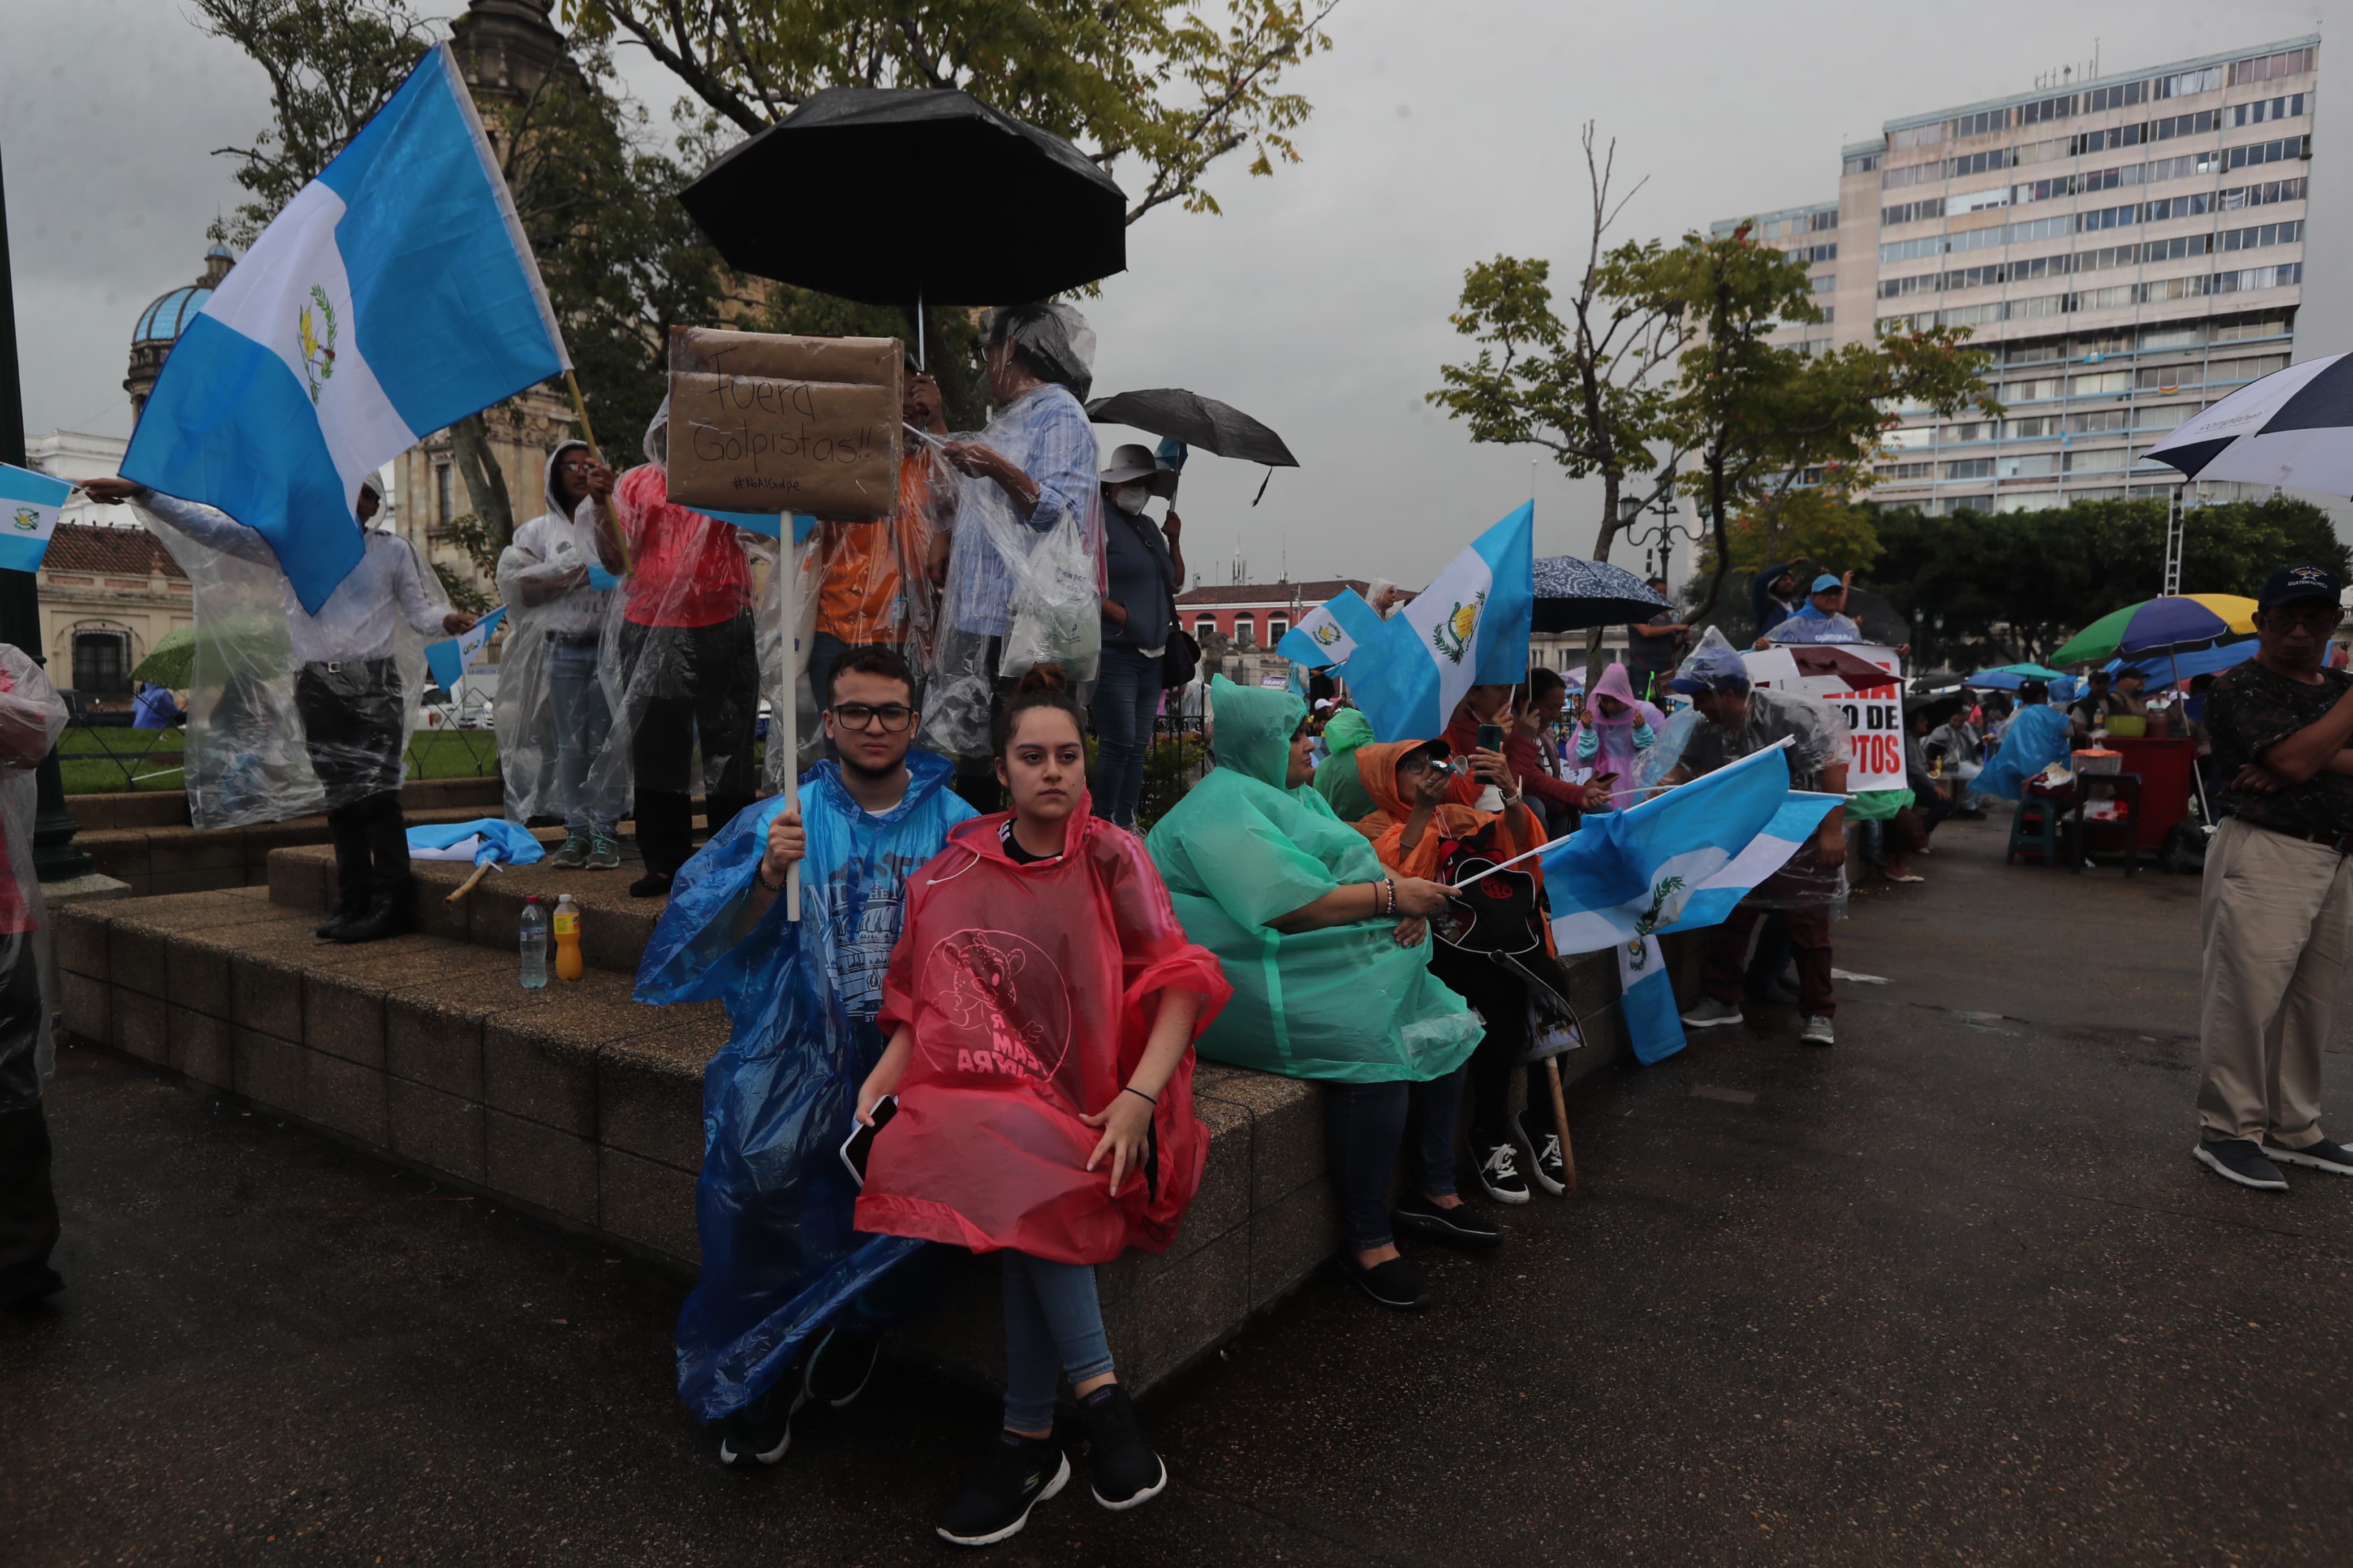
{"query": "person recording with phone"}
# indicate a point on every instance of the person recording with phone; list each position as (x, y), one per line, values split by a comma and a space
(773, 1201)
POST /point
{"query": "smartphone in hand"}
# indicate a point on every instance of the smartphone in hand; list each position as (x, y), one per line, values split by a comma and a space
(861, 1142)
(1491, 737)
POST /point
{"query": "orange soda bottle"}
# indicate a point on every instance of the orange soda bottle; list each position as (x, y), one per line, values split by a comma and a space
(567, 939)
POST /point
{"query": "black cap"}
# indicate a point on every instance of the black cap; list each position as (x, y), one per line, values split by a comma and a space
(2293, 583)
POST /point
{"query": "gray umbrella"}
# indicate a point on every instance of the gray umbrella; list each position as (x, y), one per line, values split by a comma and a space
(1198, 421)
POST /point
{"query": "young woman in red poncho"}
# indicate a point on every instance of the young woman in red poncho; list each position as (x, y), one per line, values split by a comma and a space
(1042, 1004)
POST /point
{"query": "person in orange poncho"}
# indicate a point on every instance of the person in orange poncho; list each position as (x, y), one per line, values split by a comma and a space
(1042, 1005)
(1423, 815)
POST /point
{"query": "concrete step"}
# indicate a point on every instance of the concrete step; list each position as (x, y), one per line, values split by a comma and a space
(178, 859)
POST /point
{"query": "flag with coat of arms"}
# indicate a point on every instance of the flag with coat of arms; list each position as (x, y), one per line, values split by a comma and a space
(393, 295)
(1469, 628)
(1330, 634)
(449, 658)
(29, 504)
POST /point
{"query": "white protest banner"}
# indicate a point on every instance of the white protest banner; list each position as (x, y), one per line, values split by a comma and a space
(1873, 711)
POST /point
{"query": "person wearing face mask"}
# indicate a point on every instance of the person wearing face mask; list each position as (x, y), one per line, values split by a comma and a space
(1144, 562)
(349, 690)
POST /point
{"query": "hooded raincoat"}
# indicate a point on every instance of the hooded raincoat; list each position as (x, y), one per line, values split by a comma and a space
(31, 715)
(1453, 820)
(1032, 991)
(2035, 737)
(1337, 780)
(1610, 745)
(772, 1206)
(554, 717)
(1345, 1003)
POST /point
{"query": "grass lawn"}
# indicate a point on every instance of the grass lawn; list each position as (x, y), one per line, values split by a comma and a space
(108, 761)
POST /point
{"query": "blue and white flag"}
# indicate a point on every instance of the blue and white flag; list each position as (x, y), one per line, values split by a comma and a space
(29, 504)
(484, 838)
(1469, 628)
(393, 295)
(1679, 860)
(1331, 632)
(1647, 1000)
(451, 657)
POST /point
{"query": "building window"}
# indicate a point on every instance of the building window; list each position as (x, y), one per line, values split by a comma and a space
(1276, 626)
(1245, 629)
(102, 664)
(1205, 626)
(2269, 68)
(445, 494)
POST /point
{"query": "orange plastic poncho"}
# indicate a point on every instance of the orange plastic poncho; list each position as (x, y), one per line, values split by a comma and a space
(1453, 820)
(1032, 990)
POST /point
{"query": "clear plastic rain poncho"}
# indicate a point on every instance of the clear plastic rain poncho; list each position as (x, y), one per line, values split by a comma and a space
(31, 715)
(553, 712)
(1345, 1003)
(680, 657)
(250, 754)
(874, 583)
(1817, 734)
(1032, 991)
(772, 1206)
(1030, 587)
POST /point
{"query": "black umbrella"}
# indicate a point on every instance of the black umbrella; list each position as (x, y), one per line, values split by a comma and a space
(1573, 594)
(1198, 421)
(899, 196)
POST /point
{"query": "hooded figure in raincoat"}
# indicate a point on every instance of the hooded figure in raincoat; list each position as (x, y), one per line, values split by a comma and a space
(1245, 848)
(1614, 742)
(553, 716)
(1336, 780)
(781, 1255)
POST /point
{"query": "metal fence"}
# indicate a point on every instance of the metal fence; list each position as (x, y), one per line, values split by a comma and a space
(99, 756)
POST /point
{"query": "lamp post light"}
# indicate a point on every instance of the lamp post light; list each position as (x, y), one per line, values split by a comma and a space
(1657, 540)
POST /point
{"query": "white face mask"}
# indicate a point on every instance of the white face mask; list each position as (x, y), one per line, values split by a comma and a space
(1131, 498)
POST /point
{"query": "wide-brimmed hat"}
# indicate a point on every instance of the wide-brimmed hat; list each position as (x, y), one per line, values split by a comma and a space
(1134, 461)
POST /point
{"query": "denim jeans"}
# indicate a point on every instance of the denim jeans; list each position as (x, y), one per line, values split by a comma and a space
(1128, 696)
(1053, 1325)
(1364, 1123)
(583, 723)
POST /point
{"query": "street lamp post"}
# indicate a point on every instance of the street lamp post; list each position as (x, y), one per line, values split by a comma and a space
(1655, 541)
(55, 856)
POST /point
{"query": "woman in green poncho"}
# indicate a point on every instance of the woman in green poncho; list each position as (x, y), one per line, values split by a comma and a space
(1329, 958)
(1336, 780)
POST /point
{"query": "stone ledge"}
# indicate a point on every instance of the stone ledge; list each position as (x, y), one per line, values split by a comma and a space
(175, 858)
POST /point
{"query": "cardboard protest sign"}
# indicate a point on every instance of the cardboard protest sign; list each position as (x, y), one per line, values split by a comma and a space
(1873, 711)
(762, 421)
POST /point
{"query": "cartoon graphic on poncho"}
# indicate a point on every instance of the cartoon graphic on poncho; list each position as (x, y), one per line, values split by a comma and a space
(1004, 998)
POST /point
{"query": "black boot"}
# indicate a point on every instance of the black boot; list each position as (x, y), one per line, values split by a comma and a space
(391, 911)
(355, 870)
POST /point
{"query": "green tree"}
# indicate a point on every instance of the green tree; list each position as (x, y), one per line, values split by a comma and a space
(1815, 523)
(1168, 84)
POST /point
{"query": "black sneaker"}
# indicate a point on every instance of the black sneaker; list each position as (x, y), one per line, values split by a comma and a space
(652, 885)
(1460, 1225)
(2322, 1155)
(1397, 1284)
(1544, 1162)
(1499, 1171)
(1123, 1469)
(1018, 1474)
(2240, 1160)
(761, 1431)
(839, 1366)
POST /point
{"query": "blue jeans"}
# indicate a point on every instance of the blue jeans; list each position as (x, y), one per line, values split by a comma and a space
(1053, 1325)
(1128, 696)
(1364, 1123)
(582, 721)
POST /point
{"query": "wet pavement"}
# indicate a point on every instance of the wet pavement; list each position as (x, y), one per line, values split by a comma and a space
(1952, 1291)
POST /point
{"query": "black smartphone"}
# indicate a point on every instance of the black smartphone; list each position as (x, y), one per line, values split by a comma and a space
(1491, 737)
(860, 1141)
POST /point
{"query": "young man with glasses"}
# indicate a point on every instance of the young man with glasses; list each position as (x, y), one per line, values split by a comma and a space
(773, 1201)
(2278, 894)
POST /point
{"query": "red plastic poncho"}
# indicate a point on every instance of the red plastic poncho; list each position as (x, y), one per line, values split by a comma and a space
(1032, 991)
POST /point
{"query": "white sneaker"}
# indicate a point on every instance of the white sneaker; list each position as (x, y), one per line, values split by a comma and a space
(1817, 1032)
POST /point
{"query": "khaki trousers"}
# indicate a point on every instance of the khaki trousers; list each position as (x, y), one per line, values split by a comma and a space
(2274, 913)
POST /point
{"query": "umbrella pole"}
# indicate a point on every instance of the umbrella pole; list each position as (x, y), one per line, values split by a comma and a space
(788, 706)
(923, 360)
(2205, 808)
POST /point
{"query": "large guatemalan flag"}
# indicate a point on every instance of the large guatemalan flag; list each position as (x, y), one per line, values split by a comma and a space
(1469, 628)
(1679, 860)
(393, 295)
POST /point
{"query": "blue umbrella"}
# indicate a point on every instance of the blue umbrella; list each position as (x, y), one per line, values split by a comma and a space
(2167, 668)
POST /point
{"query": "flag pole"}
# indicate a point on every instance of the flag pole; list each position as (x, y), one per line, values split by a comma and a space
(588, 434)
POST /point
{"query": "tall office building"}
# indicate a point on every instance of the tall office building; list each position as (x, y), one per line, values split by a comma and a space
(2129, 248)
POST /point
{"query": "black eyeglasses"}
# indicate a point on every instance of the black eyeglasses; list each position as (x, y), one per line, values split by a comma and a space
(895, 716)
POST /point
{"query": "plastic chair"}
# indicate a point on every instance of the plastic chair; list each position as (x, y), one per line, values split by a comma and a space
(2037, 827)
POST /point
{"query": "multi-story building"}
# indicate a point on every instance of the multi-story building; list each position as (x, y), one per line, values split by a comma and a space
(2129, 246)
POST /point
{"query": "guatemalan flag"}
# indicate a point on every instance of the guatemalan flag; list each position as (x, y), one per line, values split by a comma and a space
(29, 504)
(393, 295)
(1469, 628)
(1679, 860)
(449, 658)
(1331, 633)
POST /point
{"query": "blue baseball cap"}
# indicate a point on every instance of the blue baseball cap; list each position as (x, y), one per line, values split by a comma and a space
(1823, 583)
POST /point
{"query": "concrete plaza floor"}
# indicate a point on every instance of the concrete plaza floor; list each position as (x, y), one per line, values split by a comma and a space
(1951, 1292)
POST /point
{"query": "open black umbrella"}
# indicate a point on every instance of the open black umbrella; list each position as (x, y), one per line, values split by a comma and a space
(1573, 594)
(1198, 421)
(904, 196)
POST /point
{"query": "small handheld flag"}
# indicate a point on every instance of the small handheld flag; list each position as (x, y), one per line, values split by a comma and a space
(1331, 632)
(29, 504)
(449, 660)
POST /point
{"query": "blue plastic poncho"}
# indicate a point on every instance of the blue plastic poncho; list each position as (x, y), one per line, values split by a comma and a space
(773, 1205)
(2035, 737)
(1345, 1003)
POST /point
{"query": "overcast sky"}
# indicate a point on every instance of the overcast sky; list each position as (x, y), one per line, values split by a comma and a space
(1442, 135)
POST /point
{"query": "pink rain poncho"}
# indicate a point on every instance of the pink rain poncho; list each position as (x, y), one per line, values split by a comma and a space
(1610, 745)
(1032, 990)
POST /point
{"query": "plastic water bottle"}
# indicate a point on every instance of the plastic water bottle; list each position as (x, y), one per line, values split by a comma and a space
(535, 945)
(567, 939)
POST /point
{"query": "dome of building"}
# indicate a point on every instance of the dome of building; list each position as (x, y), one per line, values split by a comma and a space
(163, 322)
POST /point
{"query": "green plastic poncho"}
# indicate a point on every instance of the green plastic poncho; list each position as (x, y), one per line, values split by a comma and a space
(1346, 1003)
(1336, 780)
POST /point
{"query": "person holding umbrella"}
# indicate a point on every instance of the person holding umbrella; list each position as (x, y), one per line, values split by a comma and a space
(1145, 564)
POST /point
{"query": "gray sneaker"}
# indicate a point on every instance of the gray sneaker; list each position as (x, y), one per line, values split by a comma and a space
(1817, 1032)
(1707, 1012)
(571, 854)
(605, 854)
